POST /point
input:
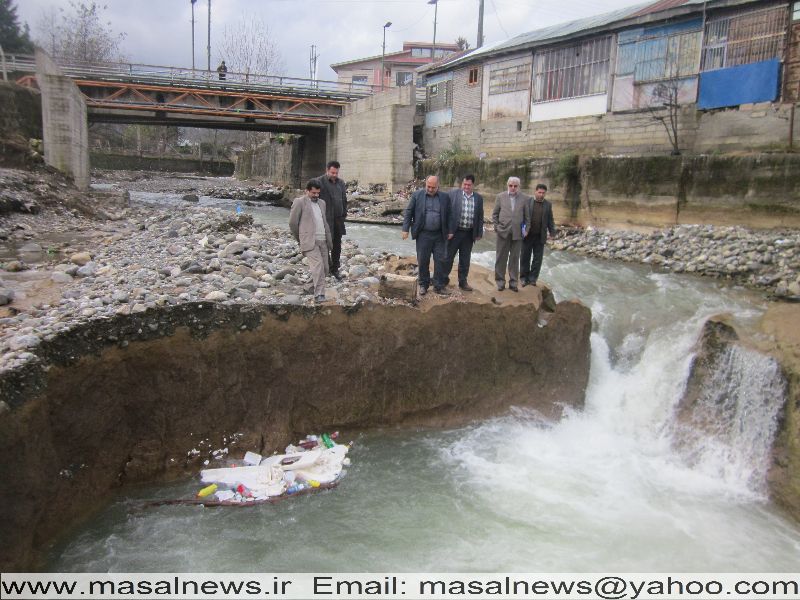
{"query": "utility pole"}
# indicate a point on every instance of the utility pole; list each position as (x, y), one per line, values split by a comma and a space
(383, 53)
(209, 35)
(480, 24)
(435, 16)
(312, 64)
(192, 1)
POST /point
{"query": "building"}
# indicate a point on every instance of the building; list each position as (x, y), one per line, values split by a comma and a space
(639, 80)
(399, 67)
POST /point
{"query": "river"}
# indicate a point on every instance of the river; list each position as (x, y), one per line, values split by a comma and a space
(606, 489)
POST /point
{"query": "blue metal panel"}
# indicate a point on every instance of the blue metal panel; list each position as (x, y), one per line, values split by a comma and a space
(671, 28)
(756, 82)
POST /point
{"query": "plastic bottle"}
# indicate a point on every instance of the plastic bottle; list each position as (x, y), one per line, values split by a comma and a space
(207, 491)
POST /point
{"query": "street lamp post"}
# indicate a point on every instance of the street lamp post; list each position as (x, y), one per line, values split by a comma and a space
(435, 16)
(383, 52)
(192, 1)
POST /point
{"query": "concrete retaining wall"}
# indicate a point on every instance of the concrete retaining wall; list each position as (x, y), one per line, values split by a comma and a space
(759, 190)
(102, 160)
(277, 161)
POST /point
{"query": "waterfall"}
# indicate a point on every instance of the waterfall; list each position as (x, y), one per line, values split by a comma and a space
(731, 426)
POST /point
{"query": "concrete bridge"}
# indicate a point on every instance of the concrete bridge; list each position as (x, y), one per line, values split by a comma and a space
(74, 94)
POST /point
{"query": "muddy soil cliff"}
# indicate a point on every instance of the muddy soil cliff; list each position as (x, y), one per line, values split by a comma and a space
(127, 400)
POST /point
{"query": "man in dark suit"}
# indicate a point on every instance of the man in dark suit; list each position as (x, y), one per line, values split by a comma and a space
(466, 228)
(426, 217)
(542, 223)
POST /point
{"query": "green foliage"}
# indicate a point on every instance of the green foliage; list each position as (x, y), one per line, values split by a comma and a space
(455, 152)
(565, 170)
(13, 37)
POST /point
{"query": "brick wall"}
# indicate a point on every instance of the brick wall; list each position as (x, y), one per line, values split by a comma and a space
(751, 127)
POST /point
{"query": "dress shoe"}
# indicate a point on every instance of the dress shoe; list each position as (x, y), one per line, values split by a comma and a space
(320, 298)
(501, 287)
(466, 287)
(440, 290)
(513, 288)
(337, 275)
(423, 291)
(532, 282)
(525, 282)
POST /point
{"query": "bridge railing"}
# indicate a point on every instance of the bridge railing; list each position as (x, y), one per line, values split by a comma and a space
(156, 74)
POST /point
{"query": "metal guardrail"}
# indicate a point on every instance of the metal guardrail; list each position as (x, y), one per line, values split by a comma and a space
(161, 75)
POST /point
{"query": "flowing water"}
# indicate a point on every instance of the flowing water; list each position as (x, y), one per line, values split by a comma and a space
(617, 486)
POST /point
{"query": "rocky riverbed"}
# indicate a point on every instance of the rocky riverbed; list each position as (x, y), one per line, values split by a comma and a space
(764, 259)
(67, 264)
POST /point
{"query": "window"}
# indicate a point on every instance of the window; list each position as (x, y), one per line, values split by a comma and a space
(510, 79)
(796, 12)
(420, 52)
(404, 78)
(744, 38)
(660, 57)
(439, 96)
(572, 71)
(360, 79)
(473, 76)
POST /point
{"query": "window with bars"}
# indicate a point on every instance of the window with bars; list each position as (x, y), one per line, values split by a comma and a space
(509, 79)
(662, 57)
(439, 96)
(744, 38)
(572, 71)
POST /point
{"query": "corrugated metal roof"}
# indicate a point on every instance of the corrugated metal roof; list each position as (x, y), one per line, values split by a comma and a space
(562, 30)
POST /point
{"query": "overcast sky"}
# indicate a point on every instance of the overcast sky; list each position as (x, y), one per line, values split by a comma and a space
(158, 32)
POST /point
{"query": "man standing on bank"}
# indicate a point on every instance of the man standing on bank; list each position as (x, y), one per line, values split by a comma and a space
(512, 220)
(309, 227)
(542, 223)
(426, 217)
(466, 228)
(334, 192)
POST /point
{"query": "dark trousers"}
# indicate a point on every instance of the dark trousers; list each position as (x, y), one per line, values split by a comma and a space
(529, 268)
(336, 249)
(462, 243)
(431, 242)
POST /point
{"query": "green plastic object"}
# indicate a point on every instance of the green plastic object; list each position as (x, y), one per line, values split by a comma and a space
(326, 439)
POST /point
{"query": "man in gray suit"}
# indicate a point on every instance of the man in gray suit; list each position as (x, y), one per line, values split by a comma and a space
(542, 223)
(310, 228)
(512, 220)
(466, 228)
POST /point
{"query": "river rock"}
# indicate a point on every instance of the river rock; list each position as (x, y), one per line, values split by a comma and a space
(80, 258)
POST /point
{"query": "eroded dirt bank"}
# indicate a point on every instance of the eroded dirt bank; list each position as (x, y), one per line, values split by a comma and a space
(128, 399)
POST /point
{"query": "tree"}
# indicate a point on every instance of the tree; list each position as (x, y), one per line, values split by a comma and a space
(462, 43)
(13, 38)
(79, 34)
(248, 47)
(665, 96)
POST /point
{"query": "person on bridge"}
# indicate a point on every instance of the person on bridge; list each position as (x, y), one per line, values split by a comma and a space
(542, 223)
(334, 192)
(310, 228)
(426, 217)
(222, 69)
(466, 228)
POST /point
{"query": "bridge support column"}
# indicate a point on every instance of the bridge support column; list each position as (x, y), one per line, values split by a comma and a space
(374, 139)
(313, 155)
(65, 127)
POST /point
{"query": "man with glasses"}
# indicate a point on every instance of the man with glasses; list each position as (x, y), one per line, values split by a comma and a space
(512, 220)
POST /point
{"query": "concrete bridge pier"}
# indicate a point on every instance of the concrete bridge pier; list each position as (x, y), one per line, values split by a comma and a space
(313, 154)
(65, 126)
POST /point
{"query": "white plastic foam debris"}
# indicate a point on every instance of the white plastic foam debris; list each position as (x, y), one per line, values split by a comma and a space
(224, 495)
(252, 459)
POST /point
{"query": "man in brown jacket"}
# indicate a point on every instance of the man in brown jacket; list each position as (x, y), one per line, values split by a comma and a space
(310, 228)
(512, 220)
